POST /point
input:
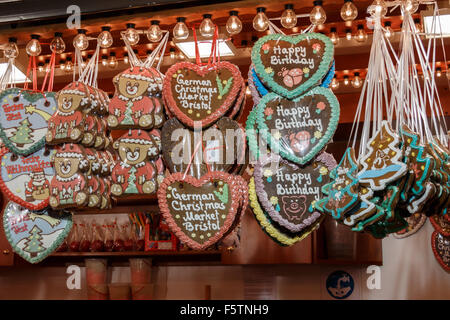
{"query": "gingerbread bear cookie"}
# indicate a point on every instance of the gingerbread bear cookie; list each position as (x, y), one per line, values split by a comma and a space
(133, 105)
(68, 187)
(134, 173)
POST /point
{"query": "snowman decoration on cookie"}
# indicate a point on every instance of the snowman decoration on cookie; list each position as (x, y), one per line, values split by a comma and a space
(135, 173)
(132, 106)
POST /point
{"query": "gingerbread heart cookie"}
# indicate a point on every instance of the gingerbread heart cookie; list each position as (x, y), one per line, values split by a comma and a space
(201, 93)
(23, 119)
(415, 222)
(288, 192)
(441, 249)
(35, 235)
(290, 65)
(441, 224)
(220, 147)
(199, 211)
(25, 179)
(299, 129)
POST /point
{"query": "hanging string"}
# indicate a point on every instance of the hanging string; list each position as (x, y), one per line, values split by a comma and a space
(31, 68)
(50, 70)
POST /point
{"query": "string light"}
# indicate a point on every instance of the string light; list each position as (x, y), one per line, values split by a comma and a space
(247, 91)
(411, 6)
(334, 83)
(334, 36)
(378, 8)
(172, 53)
(289, 18)
(181, 56)
(105, 38)
(356, 82)
(317, 15)
(417, 25)
(57, 45)
(33, 47)
(207, 26)
(234, 24)
(47, 65)
(112, 62)
(62, 65)
(346, 80)
(438, 72)
(125, 58)
(69, 65)
(260, 22)
(349, 12)
(131, 34)
(154, 33)
(348, 34)
(104, 60)
(361, 35)
(11, 50)
(181, 31)
(81, 40)
(388, 31)
(41, 67)
(148, 53)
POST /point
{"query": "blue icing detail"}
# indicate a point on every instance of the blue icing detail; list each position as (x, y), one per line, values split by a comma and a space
(319, 179)
(278, 207)
(258, 84)
(269, 179)
(379, 172)
(329, 77)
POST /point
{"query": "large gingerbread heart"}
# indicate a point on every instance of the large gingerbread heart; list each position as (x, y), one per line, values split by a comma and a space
(201, 93)
(25, 179)
(35, 235)
(441, 249)
(278, 234)
(440, 224)
(23, 119)
(220, 147)
(298, 129)
(288, 192)
(290, 65)
(199, 212)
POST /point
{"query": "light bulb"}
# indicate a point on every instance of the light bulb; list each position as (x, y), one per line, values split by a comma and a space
(148, 53)
(181, 56)
(317, 15)
(172, 53)
(47, 65)
(348, 34)
(112, 62)
(247, 91)
(33, 46)
(104, 60)
(154, 33)
(388, 31)
(83, 64)
(377, 8)
(234, 24)
(62, 64)
(11, 50)
(411, 6)
(105, 38)
(132, 34)
(181, 31)
(334, 36)
(334, 83)
(438, 72)
(40, 67)
(289, 18)
(349, 12)
(207, 26)
(346, 80)
(356, 82)
(417, 25)
(125, 58)
(260, 21)
(360, 35)
(69, 65)
(81, 40)
(57, 45)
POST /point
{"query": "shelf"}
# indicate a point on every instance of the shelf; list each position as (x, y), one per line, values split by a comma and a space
(137, 254)
(129, 204)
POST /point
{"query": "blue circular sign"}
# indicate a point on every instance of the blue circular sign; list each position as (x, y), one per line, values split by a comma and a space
(340, 284)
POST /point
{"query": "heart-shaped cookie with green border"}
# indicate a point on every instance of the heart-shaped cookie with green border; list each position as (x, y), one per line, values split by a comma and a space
(35, 235)
(291, 65)
(23, 119)
(298, 129)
